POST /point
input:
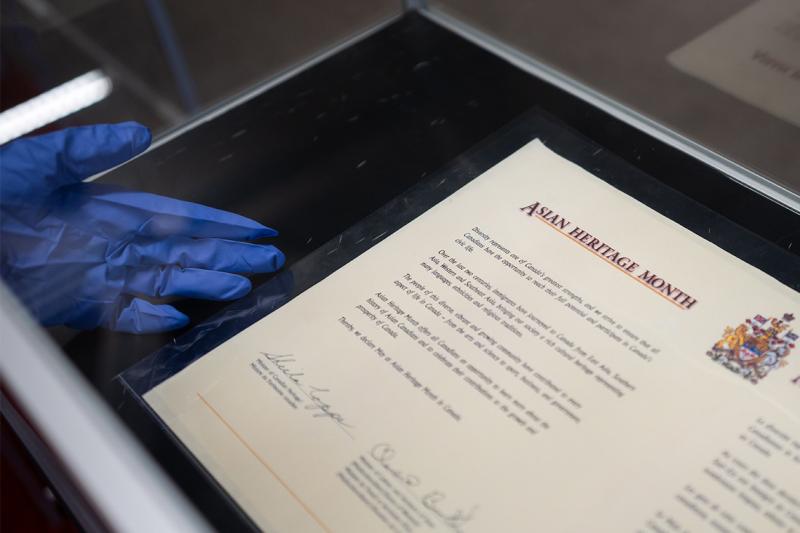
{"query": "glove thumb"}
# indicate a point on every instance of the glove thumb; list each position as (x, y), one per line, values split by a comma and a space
(34, 167)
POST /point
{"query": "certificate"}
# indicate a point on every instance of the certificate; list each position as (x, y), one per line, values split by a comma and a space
(537, 352)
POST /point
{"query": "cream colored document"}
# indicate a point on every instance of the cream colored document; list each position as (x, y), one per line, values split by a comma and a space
(754, 56)
(538, 352)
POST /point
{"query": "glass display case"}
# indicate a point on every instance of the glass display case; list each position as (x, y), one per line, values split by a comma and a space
(338, 125)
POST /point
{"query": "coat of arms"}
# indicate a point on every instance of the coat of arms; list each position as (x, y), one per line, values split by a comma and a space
(755, 347)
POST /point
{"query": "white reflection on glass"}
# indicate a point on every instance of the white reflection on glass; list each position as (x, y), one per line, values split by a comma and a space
(54, 104)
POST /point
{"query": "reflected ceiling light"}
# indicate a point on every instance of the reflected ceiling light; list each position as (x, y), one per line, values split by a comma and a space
(54, 104)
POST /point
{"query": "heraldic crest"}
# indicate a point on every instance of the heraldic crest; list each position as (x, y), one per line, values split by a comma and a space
(755, 347)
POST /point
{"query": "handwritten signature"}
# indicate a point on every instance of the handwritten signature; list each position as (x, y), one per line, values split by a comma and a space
(282, 363)
(434, 500)
(319, 407)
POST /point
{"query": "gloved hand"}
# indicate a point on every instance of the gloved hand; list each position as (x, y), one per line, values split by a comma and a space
(84, 254)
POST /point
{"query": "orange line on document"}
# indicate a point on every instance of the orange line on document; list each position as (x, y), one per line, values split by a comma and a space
(264, 463)
(573, 239)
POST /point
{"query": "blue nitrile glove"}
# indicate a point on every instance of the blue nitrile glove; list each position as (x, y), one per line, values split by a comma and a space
(83, 254)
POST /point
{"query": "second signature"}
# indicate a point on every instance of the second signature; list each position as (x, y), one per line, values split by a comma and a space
(434, 500)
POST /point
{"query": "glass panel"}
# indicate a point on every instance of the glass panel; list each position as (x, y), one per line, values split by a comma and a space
(159, 62)
(725, 74)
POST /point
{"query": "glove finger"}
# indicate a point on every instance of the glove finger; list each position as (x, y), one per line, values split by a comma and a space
(159, 216)
(92, 149)
(187, 282)
(141, 316)
(36, 166)
(213, 254)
